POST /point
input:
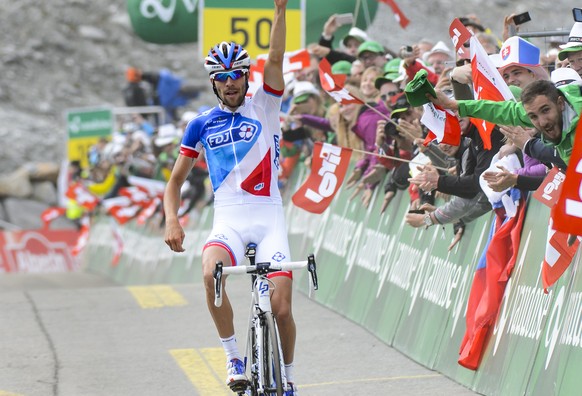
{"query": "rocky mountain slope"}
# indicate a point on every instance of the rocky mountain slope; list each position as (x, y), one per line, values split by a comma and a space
(61, 54)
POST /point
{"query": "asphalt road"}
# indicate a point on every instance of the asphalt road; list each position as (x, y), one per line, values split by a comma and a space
(82, 335)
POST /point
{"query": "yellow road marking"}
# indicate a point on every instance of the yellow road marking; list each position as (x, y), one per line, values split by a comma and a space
(157, 296)
(205, 369)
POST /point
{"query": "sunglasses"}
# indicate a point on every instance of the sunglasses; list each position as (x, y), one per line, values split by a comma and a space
(390, 94)
(233, 74)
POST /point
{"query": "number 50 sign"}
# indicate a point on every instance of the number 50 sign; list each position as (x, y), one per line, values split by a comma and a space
(248, 22)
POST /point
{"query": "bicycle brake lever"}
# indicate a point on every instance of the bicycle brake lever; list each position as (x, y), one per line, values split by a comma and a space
(311, 267)
(218, 284)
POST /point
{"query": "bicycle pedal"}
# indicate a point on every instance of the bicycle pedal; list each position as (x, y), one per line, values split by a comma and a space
(239, 386)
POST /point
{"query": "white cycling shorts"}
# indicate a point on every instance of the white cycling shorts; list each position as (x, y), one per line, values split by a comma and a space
(235, 226)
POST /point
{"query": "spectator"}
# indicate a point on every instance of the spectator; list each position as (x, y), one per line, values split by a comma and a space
(520, 62)
(371, 53)
(572, 50)
(437, 56)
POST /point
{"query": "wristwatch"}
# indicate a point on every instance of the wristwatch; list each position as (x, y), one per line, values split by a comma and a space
(427, 220)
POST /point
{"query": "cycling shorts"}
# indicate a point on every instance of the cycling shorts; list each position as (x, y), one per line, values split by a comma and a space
(235, 226)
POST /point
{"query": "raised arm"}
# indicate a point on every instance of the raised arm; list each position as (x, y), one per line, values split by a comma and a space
(273, 75)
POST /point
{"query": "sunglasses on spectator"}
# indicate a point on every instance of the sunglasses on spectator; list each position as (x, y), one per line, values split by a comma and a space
(390, 94)
(233, 74)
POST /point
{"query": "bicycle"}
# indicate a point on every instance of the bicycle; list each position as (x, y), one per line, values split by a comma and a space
(266, 371)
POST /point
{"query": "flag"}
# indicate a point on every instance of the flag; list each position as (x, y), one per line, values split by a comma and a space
(443, 125)
(567, 213)
(329, 165)
(333, 84)
(487, 84)
(292, 62)
(398, 14)
(493, 270)
(50, 214)
(121, 208)
(558, 255)
(83, 236)
(550, 189)
(118, 244)
(81, 195)
(148, 211)
(459, 36)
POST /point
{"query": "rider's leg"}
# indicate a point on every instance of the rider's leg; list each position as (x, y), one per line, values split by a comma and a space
(282, 309)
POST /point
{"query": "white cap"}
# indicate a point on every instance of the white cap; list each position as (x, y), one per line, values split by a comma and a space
(438, 48)
(167, 134)
(357, 34)
(564, 75)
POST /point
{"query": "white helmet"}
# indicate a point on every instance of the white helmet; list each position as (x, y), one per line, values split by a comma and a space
(226, 56)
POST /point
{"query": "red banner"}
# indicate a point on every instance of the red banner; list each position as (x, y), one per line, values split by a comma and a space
(328, 169)
(38, 251)
(567, 213)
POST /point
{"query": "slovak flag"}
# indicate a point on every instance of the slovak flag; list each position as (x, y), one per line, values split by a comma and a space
(558, 255)
(487, 84)
(333, 84)
(398, 14)
(443, 125)
(329, 165)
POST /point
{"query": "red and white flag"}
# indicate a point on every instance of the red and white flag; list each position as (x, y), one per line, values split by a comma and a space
(83, 236)
(443, 125)
(328, 169)
(459, 36)
(148, 211)
(398, 14)
(117, 244)
(293, 61)
(487, 84)
(333, 84)
(567, 213)
(50, 214)
(558, 255)
(121, 208)
(81, 195)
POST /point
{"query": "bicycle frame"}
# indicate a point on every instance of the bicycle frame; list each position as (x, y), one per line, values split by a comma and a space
(263, 352)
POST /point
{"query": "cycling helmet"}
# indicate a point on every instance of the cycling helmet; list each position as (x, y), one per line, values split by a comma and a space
(226, 56)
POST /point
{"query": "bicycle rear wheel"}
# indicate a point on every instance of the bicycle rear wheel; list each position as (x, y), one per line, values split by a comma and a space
(271, 358)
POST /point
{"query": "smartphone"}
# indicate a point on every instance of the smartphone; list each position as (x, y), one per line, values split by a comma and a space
(521, 18)
(577, 13)
(344, 19)
(416, 211)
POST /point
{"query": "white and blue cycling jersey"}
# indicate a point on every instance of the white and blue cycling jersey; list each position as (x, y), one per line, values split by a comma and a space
(241, 148)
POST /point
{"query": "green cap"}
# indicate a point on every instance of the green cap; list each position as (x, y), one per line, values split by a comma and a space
(563, 54)
(391, 73)
(341, 67)
(417, 89)
(371, 46)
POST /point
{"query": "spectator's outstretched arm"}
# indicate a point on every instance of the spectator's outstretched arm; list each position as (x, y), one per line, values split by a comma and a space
(273, 74)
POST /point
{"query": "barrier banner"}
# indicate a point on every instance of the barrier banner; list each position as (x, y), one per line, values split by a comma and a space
(38, 251)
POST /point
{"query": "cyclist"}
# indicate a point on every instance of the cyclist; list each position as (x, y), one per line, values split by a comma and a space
(240, 137)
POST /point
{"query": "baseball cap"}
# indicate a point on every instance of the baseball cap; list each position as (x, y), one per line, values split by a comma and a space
(302, 90)
(417, 89)
(357, 34)
(341, 67)
(574, 43)
(399, 105)
(564, 76)
(371, 46)
(438, 48)
(391, 73)
(516, 51)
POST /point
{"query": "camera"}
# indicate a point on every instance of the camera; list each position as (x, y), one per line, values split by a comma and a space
(406, 51)
(390, 130)
(521, 18)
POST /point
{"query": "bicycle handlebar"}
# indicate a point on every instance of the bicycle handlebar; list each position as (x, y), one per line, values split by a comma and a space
(261, 268)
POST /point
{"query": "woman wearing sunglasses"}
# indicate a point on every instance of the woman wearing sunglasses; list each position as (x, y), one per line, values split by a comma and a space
(240, 137)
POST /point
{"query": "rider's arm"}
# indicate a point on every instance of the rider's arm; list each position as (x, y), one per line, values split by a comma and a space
(174, 236)
(273, 74)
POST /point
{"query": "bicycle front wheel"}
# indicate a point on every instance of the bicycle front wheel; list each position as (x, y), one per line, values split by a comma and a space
(271, 358)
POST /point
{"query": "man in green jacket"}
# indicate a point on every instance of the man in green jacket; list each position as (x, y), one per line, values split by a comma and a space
(552, 111)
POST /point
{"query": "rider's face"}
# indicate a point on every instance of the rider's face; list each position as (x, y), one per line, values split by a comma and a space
(231, 91)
